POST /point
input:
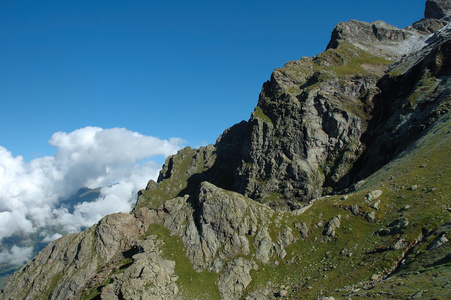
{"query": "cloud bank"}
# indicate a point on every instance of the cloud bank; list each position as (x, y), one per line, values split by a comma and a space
(117, 160)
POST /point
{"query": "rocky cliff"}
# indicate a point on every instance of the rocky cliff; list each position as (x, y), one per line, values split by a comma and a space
(337, 186)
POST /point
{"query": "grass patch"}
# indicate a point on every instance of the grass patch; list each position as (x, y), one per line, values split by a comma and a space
(55, 280)
(258, 113)
(347, 60)
(192, 284)
(425, 87)
(181, 168)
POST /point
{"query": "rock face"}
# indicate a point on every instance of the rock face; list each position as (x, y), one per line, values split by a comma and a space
(298, 131)
(66, 266)
(436, 15)
(437, 9)
(150, 276)
(260, 214)
(378, 37)
(218, 228)
(235, 279)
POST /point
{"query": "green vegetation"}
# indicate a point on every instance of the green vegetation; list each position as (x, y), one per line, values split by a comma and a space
(258, 113)
(192, 284)
(348, 60)
(55, 280)
(172, 186)
(425, 87)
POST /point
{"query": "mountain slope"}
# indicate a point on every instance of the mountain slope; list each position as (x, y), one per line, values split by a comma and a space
(338, 185)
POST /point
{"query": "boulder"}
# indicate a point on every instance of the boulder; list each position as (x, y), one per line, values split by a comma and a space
(438, 242)
(332, 225)
(234, 279)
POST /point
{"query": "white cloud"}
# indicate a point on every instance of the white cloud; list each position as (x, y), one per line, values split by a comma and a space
(89, 157)
(119, 197)
(12, 222)
(16, 256)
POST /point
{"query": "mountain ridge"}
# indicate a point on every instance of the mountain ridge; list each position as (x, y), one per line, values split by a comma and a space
(320, 194)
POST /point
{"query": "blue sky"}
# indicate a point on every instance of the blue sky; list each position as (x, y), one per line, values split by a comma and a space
(186, 69)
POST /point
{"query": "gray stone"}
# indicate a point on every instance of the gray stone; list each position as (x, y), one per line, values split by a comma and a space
(399, 244)
(395, 227)
(78, 255)
(263, 245)
(286, 236)
(219, 232)
(376, 204)
(355, 209)
(283, 293)
(234, 279)
(332, 225)
(372, 196)
(438, 242)
(370, 216)
(377, 38)
(149, 277)
(303, 229)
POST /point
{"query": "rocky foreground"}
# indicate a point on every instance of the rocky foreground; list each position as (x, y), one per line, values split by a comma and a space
(338, 186)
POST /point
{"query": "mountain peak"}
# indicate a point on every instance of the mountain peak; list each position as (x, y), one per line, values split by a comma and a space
(378, 38)
(436, 15)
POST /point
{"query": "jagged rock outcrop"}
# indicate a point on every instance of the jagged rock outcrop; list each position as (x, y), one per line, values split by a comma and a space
(149, 276)
(216, 229)
(298, 131)
(258, 215)
(436, 15)
(437, 9)
(378, 38)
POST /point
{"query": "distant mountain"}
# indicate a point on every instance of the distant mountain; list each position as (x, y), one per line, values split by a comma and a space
(338, 186)
(82, 195)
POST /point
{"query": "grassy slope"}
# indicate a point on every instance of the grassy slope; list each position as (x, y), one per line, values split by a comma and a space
(316, 266)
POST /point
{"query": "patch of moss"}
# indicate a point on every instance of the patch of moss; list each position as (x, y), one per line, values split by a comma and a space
(258, 113)
(274, 199)
(425, 87)
(347, 60)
